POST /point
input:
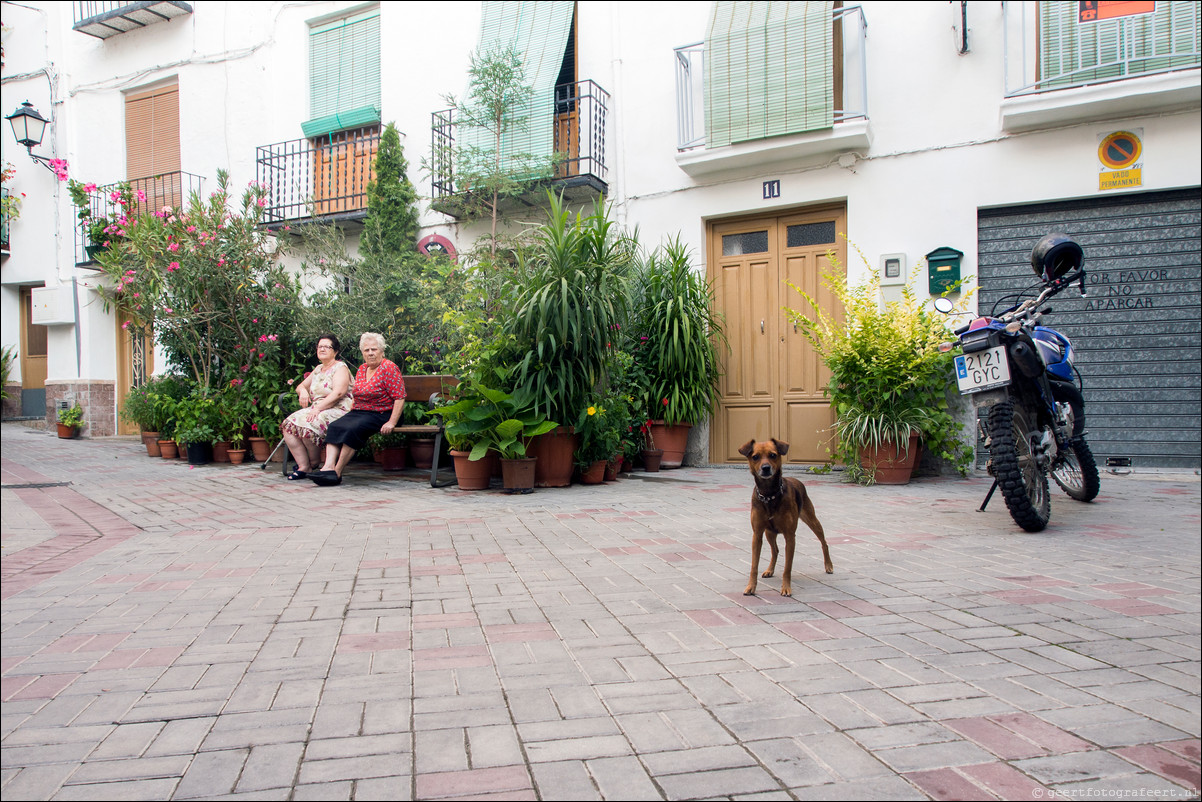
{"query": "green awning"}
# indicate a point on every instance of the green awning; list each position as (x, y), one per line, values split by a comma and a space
(768, 70)
(341, 121)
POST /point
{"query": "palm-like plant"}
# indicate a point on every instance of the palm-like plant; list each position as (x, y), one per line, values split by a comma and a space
(681, 335)
(571, 300)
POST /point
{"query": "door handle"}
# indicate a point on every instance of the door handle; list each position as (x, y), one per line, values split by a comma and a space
(761, 327)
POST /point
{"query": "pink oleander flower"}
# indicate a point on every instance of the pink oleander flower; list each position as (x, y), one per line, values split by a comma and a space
(89, 187)
(173, 247)
(171, 268)
(114, 196)
(141, 196)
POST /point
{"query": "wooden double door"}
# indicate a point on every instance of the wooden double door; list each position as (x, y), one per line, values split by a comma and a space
(772, 384)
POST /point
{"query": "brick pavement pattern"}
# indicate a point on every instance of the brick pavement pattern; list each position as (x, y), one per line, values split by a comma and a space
(218, 632)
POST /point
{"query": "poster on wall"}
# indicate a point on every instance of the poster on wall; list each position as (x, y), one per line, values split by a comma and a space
(1119, 155)
(1094, 10)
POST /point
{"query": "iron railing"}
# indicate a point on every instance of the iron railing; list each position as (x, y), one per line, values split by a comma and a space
(157, 193)
(1047, 46)
(850, 79)
(321, 178)
(578, 112)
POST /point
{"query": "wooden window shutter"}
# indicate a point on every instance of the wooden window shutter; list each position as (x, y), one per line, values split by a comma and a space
(152, 132)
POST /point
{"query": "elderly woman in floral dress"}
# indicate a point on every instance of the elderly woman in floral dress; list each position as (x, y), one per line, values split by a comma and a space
(324, 398)
(379, 392)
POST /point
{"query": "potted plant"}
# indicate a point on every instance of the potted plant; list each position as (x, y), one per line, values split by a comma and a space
(572, 292)
(392, 450)
(462, 431)
(70, 421)
(678, 340)
(505, 423)
(889, 379)
(236, 452)
(138, 410)
(599, 426)
(198, 439)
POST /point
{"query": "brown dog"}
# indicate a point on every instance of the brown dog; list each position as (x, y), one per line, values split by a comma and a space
(776, 504)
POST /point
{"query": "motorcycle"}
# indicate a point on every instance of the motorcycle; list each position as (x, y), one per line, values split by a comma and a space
(1024, 374)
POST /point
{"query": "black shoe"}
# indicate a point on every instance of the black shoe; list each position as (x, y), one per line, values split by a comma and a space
(297, 474)
(326, 478)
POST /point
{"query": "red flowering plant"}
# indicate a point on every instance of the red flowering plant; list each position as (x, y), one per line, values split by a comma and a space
(206, 280)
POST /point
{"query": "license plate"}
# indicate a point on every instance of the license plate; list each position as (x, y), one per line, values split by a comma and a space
(982, 370)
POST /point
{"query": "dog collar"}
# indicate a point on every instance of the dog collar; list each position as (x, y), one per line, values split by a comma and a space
(780, 486)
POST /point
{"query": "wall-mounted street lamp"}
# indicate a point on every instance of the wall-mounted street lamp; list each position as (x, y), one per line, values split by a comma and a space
(29, 127)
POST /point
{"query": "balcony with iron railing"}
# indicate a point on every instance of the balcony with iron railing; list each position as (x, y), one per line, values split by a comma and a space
(1061, 68)
(578, 113)
(319, 179)
(848, 129)
(106, 19)
(150, 194)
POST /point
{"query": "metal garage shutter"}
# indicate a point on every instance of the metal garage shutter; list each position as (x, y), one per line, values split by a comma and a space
(1137, 332)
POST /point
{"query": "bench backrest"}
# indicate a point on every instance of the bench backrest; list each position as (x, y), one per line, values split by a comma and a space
(420, 388)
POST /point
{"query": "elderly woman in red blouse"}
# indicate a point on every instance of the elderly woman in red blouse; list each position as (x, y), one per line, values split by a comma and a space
(379, 393)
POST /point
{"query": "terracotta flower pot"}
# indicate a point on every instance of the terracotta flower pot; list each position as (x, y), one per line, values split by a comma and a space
(652, 458)
(612, 468)
(422, 451)
(554, 451)
(594, 474)
(259, 449)
(66, 432)
(672, 440)
(236, 455)
(221, 451)
(151, 441)
(518, 475)
(394, 458)
(890, 464)
(168, 449)
(473, 475)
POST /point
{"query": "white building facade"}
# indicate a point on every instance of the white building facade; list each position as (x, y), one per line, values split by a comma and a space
(761, 133)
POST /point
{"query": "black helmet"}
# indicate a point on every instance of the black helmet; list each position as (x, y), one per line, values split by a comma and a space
(1056, 255)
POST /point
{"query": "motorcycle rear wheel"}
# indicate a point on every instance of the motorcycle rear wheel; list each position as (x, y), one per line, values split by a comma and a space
(1076, 471)
(1024, 486)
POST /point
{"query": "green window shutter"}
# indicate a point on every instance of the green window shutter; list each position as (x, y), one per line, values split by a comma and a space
(1072, 52)
(344, 72)
(769, 70)
(539, 31)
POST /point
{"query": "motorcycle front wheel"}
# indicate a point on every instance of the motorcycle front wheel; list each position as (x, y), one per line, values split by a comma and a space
(1076, 472)
(1024, 486)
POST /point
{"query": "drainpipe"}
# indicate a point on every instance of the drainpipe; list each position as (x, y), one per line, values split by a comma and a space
(963, 27)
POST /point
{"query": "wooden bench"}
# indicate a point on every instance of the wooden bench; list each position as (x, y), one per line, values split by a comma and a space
(424, 389)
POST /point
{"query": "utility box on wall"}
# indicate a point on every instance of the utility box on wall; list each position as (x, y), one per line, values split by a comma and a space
(51, 306)
(943, 269)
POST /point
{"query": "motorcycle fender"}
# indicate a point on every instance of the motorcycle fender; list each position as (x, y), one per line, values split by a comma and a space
(989, 398)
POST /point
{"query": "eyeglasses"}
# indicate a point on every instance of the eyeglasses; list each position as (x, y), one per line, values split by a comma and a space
(323, 345)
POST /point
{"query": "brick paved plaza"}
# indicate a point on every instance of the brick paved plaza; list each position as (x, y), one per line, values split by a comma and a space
(218, 632)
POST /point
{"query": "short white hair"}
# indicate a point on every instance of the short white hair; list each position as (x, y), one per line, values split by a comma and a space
(371, 335)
